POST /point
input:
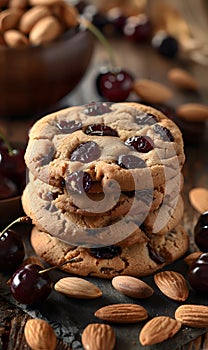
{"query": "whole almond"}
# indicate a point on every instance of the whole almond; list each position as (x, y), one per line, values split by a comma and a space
(132, 287)
(9, 19)
(69, 15)
(98, 337)
(192, 315)
(76, 287)
(32, 16)
(14, 38)
(20, 4)
(182, 79)
(44, 2)
(172, 284)
(158, 329)
(40, 335)
(122, 313)
(191, 258)
(198, 197)
(45, 30)
(193, 112)
(152, 91)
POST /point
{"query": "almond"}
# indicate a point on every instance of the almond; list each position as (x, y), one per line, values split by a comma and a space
(76, 287)
(192, 315)
(198, 197)
(9, 19)
(98, 337)
(191, 258)
(182, 79)
(21, 4)
(172, 284)
(152, 91)
(193, 112)
(66, 13)
(44, 2)
(45, 30)
(32, 16)
(158, 329)
(132, 287)
(39, 335)
(14, 38)
(122, 313)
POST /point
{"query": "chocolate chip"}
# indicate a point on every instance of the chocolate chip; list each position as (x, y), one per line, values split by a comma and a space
(130, 162)
(145, 119)
(141, 144)
(86, 152)
(68, 127)
(108, 252)
(97, 108)
(163, 132)
(100, 130)
(78, 182)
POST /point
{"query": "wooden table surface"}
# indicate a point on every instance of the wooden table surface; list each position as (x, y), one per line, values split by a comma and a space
(143, 62)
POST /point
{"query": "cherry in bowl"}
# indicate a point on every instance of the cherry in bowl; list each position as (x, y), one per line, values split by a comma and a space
(198, 274)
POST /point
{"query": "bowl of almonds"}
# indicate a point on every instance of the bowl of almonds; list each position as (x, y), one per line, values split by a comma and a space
(44, 54)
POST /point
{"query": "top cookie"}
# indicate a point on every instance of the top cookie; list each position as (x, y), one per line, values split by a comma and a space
(105, 147)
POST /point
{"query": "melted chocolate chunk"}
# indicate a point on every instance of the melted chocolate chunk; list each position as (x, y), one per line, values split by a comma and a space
(97, 108)
(141, 144)
(86, 152)
(145, 196)
(78, 182)
(130, 162)
(146, 119)
(100, 130)
(155, 256)
(68, 127)
(163, 132)
(108, 252)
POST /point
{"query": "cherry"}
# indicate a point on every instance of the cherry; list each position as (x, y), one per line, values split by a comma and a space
(115, 86)
(198, 274)
(12, 249)
(29, 286)
(165, 44)
(138, 28)
(201, 232)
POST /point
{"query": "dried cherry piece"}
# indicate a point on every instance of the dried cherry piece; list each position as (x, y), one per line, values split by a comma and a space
(86, 152)
(97, 108)
(155, 256)
(108, 252)
(68, 127)
(78, 182)
(164, 132)
(130, 162)
(145, 118)
(141, 144)
(100, 130)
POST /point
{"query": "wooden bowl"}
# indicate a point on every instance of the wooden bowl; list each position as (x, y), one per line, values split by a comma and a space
(36, 78)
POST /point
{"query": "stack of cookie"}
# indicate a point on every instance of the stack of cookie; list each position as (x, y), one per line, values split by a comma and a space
(104, 185)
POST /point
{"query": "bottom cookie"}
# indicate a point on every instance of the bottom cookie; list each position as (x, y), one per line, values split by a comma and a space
(139, 259)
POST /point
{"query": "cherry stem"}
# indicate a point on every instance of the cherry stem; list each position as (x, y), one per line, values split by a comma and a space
(64, 263)
(25, 219)
(9, 147)
(102, 39)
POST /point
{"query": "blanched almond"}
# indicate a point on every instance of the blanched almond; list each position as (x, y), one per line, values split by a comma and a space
(122, 313)
(172, 284)
(45, 30)
(98, 337)
(152, 91)
(182, 79)
(14, 38)
(158, 329)
(39, 334)
(32, 16)
(76, 287)
(199, 199)
(193, 112)
(132, 287)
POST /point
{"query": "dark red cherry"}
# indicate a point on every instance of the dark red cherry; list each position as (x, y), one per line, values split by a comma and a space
(8, 188)
(12, 251)
(86, 152)
(201, 232)
(138, 28)
(97, 108)
(100, 130)
(117, 18)
(29, 286)
(198, 274)
(165, 44)
(142, 144)
(130, 162)
(108, 252)
(78, 182)
(115, 86)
